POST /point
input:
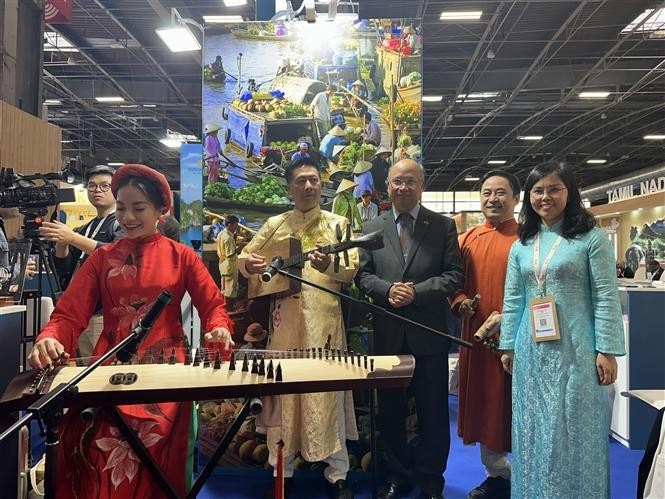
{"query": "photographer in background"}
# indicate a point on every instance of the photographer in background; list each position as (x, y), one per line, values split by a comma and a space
(73, 246)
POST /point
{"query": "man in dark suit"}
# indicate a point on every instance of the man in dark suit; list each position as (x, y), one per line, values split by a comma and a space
(419, 266)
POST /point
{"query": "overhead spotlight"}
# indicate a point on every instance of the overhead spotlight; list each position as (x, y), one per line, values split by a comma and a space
(490, 54)
(177, 36)
(593, 94)
(603, 116)
(530, 137)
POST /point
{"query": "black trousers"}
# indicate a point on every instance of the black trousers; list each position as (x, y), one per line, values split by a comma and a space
(426, 465)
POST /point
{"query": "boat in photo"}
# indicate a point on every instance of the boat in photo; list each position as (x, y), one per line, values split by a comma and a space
(245, 34)
(266, 118)
(412, 93)
(391, 66)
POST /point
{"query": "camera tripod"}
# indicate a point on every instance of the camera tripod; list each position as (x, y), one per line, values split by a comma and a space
(46, 264)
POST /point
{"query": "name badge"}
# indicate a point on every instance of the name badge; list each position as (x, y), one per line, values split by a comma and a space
(544, 323)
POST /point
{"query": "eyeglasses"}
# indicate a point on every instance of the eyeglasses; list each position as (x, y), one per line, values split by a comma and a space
(552, 191)
(92, 187)
(406, 182)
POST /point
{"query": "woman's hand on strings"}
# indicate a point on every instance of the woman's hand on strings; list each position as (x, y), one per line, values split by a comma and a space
(220, 335)
(46, 353)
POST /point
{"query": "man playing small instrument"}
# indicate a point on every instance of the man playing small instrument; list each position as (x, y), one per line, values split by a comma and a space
(316, 424)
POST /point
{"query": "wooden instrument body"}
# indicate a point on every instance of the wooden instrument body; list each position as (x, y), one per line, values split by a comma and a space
(279, 284)
(179, 382)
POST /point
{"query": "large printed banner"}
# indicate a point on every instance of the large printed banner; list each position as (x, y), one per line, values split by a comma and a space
(345, 93)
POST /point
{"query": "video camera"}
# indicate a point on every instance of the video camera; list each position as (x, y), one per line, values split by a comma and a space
(20, 191)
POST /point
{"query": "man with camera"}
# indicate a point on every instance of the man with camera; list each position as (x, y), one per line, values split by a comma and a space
(72, 246)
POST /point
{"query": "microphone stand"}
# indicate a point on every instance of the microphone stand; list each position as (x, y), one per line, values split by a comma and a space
(376, 308)
(50, 409)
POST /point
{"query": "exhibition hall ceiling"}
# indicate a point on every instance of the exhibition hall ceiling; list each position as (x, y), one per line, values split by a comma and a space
(506, 87)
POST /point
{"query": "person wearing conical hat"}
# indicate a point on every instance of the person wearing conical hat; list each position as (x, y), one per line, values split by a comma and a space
(362, 176)
(335, 137)
(380, 166)
(359, 91)
(212, 149)
(344, 204)
(412, 40)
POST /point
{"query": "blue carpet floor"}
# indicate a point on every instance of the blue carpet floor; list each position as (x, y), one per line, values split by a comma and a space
(463, 474)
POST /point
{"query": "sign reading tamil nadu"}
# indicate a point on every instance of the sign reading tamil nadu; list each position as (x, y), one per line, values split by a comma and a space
(647, 187)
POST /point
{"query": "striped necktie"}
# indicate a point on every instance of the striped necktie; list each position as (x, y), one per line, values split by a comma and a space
(406, 232)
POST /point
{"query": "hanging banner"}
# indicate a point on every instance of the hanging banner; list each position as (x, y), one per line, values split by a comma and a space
(57, 11)
(346, 93)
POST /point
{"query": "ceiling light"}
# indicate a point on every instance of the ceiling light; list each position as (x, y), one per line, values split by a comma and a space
(149, 105)
(115, 164)
(111, 98)
(432, 98)
(654, 23)
(471, 179)
(600, 94)
(478, 95)
(235, 3)
(596, 161)
(178, 39)
(496, 162)
(654, 137)
(529, 137)
(461, 15)
(52, 102)
(222, 19)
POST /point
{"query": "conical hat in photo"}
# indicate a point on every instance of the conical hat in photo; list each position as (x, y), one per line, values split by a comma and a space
(357, 82)
(381, 150)
(362, 166)
(345, 185)
(336, 174)
(212, 127)
(338, 149)
(337, 131)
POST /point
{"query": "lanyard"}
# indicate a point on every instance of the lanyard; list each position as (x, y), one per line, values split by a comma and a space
(94, 233)
(540, 273)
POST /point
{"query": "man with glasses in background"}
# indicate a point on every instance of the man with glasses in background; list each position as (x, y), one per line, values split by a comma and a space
(72, 246)
(412, 275)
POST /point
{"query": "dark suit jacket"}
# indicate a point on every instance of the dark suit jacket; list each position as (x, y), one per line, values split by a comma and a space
(434, 266)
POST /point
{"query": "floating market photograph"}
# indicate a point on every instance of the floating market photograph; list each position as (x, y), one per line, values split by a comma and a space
(346, 94)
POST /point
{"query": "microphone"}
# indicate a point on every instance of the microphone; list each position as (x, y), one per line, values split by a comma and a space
(276, 264)
(144, 326)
